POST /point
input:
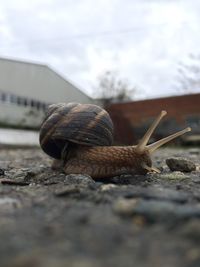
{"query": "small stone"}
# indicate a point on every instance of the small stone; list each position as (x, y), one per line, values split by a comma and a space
(194, 151)
(198, 167)
(15, 174)
(178, 187)
(155, 193)
(180, 164)
(68, 190)
(13, 182)
(9, 204)
(154, 211)
(196, 179)
(79, 179)
(166, 211)
(191, 230)
(175, 175)
(107, 187)
(193, 254)
(139, 220)
(125, 206)
(2, 172)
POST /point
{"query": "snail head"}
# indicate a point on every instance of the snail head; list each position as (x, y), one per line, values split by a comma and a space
(142, 145)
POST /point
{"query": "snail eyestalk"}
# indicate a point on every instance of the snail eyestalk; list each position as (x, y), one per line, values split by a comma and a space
(152, 147)
(145, 139)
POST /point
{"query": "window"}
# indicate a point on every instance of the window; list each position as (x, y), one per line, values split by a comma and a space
(3, 97)
(22, 101)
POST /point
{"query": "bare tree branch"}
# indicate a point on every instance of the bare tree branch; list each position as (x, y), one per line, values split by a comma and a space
(188, 79)
(111, 88)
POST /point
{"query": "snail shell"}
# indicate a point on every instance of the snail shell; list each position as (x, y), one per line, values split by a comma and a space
(84, 124)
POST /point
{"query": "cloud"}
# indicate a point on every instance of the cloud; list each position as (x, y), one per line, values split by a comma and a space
(143, 40)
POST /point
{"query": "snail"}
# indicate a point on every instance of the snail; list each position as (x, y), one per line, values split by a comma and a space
(80, 137)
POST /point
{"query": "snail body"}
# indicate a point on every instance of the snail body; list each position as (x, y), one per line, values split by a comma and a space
(107, 161)
(80, 137)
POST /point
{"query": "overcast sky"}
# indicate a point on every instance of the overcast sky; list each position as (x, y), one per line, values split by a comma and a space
(141, 39)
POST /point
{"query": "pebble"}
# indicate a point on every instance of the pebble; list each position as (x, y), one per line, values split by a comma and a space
(9, 204)
(163, 211)
(79, 179)
(175, 175)
(107, 187)
(125, 207)
(2, 172)
(154, 193)
(180, 164)
(194, 151)
(17, 174)
(191, 230)
(20, 182)
(68, 190)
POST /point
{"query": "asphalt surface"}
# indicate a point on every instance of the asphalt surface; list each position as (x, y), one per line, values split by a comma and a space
(50, 219)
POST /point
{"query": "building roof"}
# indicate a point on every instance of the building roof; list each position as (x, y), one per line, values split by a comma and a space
(38, 81)
(42, 65)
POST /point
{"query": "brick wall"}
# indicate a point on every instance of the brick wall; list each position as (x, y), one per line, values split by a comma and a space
(133, 118)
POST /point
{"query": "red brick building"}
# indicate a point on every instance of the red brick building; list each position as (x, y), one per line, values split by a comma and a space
(132, 119)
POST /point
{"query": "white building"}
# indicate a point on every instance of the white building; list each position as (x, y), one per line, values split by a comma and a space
(27, 88)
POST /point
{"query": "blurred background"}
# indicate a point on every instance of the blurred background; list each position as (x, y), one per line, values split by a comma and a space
(134, 57)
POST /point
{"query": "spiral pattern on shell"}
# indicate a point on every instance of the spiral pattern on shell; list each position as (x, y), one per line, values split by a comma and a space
(84, 124)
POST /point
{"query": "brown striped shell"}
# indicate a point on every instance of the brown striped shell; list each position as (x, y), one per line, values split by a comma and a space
(84, 124)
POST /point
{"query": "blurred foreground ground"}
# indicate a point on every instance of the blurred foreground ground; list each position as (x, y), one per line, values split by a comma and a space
(49, 219)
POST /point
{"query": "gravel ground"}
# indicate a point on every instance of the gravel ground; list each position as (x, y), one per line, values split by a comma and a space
(49, 219)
